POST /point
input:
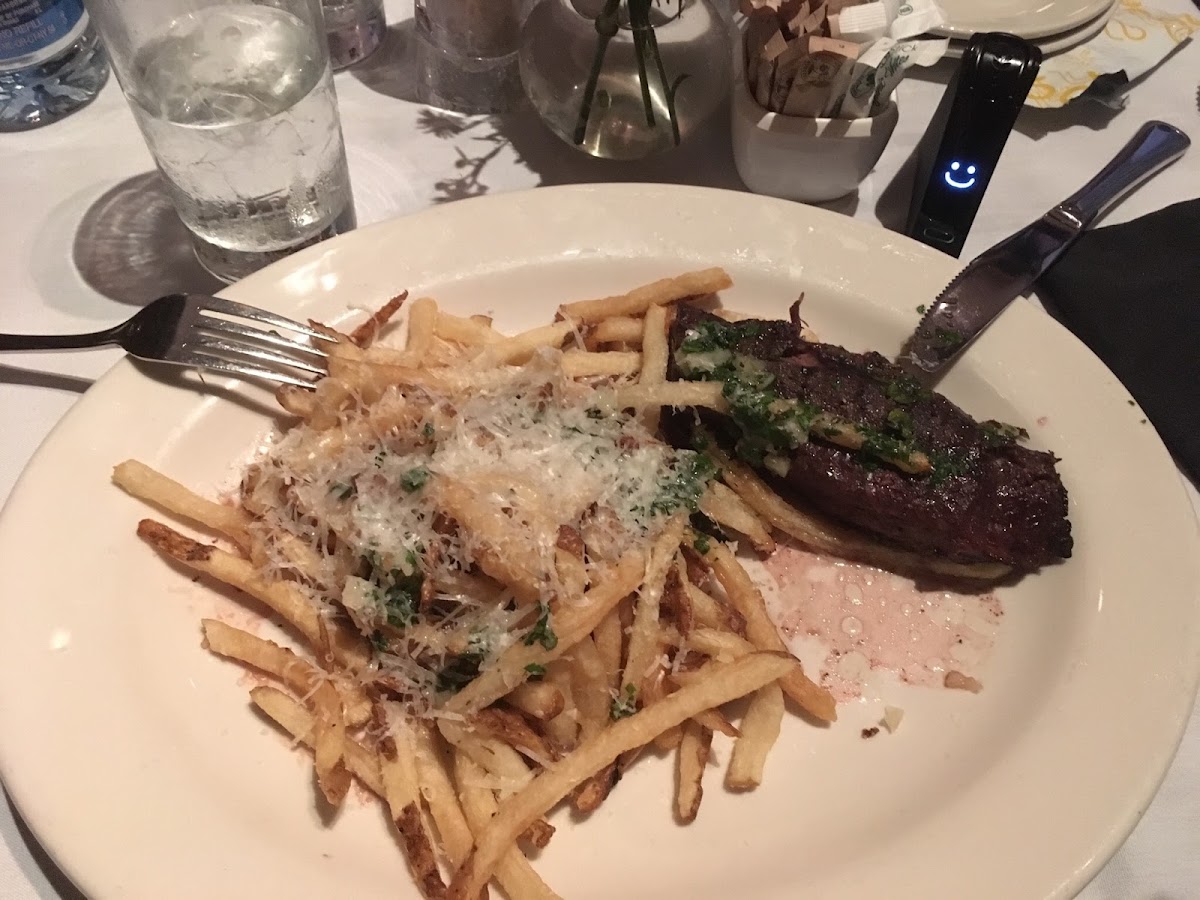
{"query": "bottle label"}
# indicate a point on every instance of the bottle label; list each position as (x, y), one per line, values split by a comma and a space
(27, 26)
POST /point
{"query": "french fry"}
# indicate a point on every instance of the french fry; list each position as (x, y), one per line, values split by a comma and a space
(595, 790)
(585, 363)
(283, 549)
(510, 728)
(608, 638)
(422, 319)
(714, 720)
(690, 761)
(280, 596)
(465, 331)
(589, 688)
(618, 329)
(824, 536)
(437, 790)
(537, 699)
(760, 730)
(654, 688)
(721, 504)
(296, 400)
(569, 562)
(532, 802)
(513, 870)
(329, 747)
(297, 673)
(491, 754)
(572, 623)
(365, 334)
(643, 637)
(291, 715)
(518, 348)
(508, 554)
(538, 834)
(151, 486)
(639, 300)
(676, 602)
(654, 357)
(563, 729)
(712, 613)
(397, 767)
(760, 630)
(705, 394)
(721, 645)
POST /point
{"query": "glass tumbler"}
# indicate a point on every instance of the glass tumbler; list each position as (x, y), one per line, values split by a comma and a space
(235, 99)
(466, 53)
(354, 28)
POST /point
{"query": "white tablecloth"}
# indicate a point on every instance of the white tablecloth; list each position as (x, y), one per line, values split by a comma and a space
(78, 221)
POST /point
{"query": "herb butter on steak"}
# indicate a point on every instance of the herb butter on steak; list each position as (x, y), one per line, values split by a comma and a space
(858, 439)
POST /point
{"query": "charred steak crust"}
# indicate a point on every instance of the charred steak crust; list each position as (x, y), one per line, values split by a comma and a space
(988, 499)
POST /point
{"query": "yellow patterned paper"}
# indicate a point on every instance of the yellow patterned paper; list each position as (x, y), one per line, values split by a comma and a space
(1135, 40)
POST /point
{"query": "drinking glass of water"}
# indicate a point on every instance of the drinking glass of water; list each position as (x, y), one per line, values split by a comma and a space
(235, 99)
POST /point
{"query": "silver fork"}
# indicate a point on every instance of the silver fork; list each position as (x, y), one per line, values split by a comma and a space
(201, 331)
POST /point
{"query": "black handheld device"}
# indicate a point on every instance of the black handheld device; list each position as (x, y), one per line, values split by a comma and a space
(966, 136)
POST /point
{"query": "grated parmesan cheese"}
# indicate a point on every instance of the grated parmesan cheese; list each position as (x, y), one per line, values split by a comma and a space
(351, 513)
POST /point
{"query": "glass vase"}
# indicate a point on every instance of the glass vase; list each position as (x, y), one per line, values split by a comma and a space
(613, 86)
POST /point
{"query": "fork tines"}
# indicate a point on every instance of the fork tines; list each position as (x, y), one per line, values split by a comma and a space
(225, 345)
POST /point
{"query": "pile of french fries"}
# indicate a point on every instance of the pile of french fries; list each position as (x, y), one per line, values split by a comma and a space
(650, 648)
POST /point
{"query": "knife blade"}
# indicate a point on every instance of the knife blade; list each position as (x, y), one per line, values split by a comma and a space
(981, 291)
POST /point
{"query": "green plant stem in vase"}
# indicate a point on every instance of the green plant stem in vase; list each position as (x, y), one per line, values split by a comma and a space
(625, 78)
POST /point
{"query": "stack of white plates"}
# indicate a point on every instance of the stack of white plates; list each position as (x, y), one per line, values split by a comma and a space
(1054, 25)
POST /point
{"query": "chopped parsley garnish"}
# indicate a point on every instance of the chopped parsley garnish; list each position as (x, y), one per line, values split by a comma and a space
(878, 445)
(900, 422)
(713, 335)
(379, 640)
(402, 598)
(535, 670)
(1000, 434)
(342, 491)
(460, 671)
(946, 464)
(542, 633)
(905, 390)
(624, 704)
(427, 430)
(702, 543)
(921, 309)
(414, 479)
(772, 425)
(686, 483)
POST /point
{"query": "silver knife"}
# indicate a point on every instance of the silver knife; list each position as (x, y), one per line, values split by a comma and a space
(996, 277)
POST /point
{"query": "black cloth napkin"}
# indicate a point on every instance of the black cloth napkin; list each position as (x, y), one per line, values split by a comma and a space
(1131, 292)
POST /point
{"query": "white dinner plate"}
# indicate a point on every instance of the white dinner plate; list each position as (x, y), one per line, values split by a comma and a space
(1024, 18)
(1056, 43)
(135, 757)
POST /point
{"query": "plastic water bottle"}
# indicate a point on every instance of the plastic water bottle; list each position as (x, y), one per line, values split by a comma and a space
(51, 62)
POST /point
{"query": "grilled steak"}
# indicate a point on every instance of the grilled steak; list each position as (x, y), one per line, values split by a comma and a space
(975, 495)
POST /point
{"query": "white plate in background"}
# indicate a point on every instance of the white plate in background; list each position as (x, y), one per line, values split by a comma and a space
(1057, 43)
(1024, 18)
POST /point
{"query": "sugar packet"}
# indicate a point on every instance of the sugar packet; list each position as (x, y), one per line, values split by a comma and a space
(860, 24)
(909, 18)
(900, 58)
(812, 88)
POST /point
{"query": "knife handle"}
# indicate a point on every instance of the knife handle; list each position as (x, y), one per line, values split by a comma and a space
(1153, 148)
